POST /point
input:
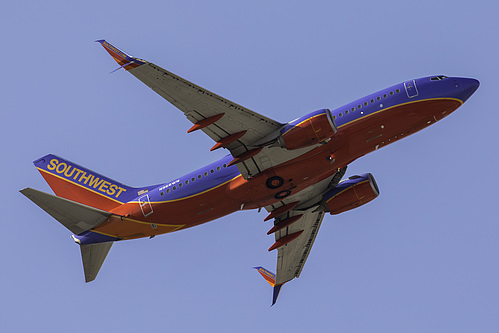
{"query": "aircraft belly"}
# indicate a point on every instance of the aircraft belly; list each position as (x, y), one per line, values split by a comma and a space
(168, 216)
(380, 129)
(353, 140)
(296, 176)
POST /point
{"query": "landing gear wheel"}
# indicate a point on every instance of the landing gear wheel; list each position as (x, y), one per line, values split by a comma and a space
(282, 194)
(274, 182)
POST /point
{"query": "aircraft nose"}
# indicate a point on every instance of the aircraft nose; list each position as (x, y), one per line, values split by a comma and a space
(468, 87)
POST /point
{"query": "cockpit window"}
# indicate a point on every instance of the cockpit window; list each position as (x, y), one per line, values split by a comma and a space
(438, 78)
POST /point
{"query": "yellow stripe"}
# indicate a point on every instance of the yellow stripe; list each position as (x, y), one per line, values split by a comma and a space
(193, 195)
(412, 102)
(421, 100)
(176, 226)
(103, 233)
(86, 188)
(365, 181)
(317, 115)
(121, 202)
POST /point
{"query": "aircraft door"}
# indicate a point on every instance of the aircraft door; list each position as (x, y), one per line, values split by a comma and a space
(411, 89)
(145, 205)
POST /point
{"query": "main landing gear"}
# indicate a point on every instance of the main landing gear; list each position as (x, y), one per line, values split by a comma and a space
(275, 182)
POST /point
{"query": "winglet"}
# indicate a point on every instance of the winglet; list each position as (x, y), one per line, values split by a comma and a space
(124, 60)
(270, 278)
(267, 275)
(277, 289)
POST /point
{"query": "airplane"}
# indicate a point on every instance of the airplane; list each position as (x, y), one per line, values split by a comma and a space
(293, 170)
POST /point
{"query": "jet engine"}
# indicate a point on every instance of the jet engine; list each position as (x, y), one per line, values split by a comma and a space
(308, 130)
(351, 193)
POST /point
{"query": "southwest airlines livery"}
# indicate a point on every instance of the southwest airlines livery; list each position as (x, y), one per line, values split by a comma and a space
(294, 170)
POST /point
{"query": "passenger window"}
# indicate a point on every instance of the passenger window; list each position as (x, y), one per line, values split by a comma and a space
(385, 95)
(372, 101)
(391, 93)
(346, 112)
(193, 179)
(174, 188)
(212, 171)
(334, 117)
(186, 182)
(365, 103)
(359, 106)
(397, 91)
(180, 185)
(205, 174)
(225, 165)
(340, 115)
(199, 176)
(353, 109)
(218, 168)
(168, 191)
(161, 193)
(378, 98)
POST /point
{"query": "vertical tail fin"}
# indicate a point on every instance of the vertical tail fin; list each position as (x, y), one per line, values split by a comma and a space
(74, 182)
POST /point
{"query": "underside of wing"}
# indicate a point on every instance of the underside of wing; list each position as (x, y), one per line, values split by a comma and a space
(199, 104)
(291, 257)
(296, 223)
(245, 133)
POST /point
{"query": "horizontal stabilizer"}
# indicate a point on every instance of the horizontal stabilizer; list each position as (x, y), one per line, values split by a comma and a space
(93, 256)
(73, 215)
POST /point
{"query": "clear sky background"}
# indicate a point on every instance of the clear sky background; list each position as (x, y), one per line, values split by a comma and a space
(423, 257)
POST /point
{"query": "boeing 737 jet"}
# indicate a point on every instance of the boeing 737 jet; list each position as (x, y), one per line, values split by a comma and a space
(293, 170)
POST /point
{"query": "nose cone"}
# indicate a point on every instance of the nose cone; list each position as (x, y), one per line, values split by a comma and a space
(467, 88)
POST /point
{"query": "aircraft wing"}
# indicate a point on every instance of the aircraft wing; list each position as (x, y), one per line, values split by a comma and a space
(242, 131)
(292, 256)
(200, 106)
(297, 220)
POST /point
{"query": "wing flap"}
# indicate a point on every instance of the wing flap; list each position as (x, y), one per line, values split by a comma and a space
(74, 216)
(292, 257)
(299, 213)
(198, 104)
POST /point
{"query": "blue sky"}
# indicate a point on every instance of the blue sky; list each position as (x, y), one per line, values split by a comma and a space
(420, 258)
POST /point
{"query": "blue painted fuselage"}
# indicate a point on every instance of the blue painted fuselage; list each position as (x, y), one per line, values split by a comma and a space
(364, 125)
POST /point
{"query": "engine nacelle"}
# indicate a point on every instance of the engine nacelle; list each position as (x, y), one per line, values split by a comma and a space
(308, 130)
(351, 193)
